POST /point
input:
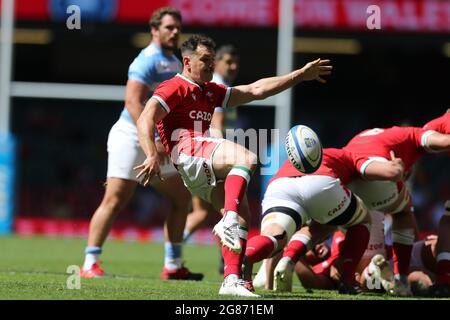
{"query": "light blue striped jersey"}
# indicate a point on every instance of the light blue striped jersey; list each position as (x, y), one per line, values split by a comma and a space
(151, 67)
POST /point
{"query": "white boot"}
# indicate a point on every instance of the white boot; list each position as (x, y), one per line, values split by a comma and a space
(227, 229)
(234, 286)
(260, 279)
(282, 281)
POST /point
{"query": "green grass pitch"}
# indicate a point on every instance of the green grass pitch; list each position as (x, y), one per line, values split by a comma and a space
(36, 268)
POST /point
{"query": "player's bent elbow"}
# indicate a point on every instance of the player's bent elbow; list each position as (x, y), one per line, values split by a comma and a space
(132, 103)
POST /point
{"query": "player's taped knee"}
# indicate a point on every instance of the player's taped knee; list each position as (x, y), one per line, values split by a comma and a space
(275, 244)
(275, 240)
(359, 214)
(280, 236)
(403, 201)
(285, 217)
(354, 213)
(403, 236)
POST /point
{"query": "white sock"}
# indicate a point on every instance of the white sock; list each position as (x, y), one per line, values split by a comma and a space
(92, 256)
(173, 264)
(89, 260)
(232, 278)
(173, 255)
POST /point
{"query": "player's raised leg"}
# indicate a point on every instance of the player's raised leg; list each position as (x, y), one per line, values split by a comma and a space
(235, 164)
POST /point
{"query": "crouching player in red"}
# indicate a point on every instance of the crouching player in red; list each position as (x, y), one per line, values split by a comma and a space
(371, 150)
(293, 198)
(372, 272)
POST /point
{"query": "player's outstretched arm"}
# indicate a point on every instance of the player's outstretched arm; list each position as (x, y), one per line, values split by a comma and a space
(393, 170)
(146, 125)
(438, 142)
(267, 87)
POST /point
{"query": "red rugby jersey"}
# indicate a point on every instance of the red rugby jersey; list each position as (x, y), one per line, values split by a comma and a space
(373, 144)
(441, 124)
(337, 163)
(189, 106)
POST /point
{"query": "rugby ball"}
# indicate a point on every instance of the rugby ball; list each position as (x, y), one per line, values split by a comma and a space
(304, 149)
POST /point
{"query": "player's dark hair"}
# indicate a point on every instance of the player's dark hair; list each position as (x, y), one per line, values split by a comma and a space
(155, 20)
(191, 44)
(226, 49)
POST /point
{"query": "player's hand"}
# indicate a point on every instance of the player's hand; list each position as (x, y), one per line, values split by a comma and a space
(148, 169)
(399, 166)
(315, 69)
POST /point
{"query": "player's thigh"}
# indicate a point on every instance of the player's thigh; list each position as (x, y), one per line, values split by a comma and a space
(282, 209)
(194, 164)
(118, 192)
(385, 196)
(229, 154)
(325, 199)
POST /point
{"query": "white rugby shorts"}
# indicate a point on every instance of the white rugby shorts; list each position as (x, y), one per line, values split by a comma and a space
(125, 153)
(317, 197)
(384, 196)
(193, 160)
